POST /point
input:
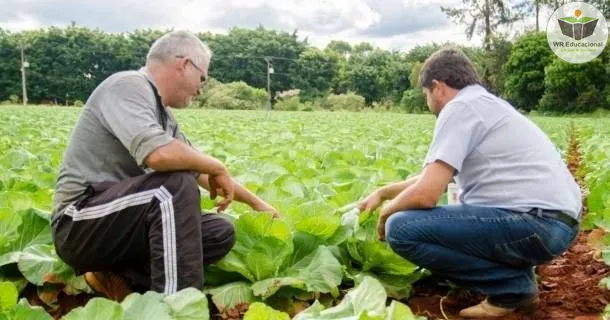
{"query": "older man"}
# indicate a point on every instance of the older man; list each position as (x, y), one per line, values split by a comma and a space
(127, 203)
(520, 205)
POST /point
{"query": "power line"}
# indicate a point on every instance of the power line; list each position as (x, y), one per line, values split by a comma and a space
(255, 57)
(282, 58)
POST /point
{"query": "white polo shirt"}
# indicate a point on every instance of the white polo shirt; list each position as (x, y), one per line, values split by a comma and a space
(502, 158)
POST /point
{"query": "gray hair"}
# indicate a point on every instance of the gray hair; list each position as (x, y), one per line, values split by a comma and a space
(179, 43)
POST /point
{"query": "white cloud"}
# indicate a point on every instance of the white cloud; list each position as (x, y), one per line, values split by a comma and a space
(21, 22)
(406, 42)
(423, 3)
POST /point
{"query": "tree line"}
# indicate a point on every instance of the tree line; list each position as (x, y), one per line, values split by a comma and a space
(66, 64)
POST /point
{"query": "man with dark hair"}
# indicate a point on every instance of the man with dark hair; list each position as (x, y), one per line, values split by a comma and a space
(127, 202)
(520, 206)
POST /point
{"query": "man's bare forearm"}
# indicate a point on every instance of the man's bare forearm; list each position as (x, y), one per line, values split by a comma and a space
(177, 155)
(242, 194)
(390, 191)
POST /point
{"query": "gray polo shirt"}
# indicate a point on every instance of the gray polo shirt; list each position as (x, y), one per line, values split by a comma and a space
(119, 126)
(501, 157)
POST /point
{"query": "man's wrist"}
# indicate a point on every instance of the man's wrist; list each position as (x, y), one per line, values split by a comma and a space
(257, 203)
(388, 209)
(382, 193)
(219, 169)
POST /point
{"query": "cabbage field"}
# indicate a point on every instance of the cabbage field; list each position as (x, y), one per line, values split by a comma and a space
(318, 261)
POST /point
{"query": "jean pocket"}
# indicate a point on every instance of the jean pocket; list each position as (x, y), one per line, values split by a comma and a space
(523, 253)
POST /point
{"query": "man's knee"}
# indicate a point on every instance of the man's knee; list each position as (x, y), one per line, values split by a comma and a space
(180, 183)
(394, 227)
(399, 234)
(225, 236)
(179, 202)
(218, 237)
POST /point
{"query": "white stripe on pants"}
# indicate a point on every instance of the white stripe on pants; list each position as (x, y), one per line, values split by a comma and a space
(167, 218)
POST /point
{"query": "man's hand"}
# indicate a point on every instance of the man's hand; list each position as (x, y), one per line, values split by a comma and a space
(385, 213)
(265, 207)
(238, 193)
(370, 203)
(424, 193)
(224, 183)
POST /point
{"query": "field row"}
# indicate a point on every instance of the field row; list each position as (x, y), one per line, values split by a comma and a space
(311, 166)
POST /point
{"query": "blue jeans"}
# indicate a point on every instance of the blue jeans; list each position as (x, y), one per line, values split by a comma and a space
(489, 250)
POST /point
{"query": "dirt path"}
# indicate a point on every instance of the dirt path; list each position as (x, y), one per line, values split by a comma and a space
(568, 289)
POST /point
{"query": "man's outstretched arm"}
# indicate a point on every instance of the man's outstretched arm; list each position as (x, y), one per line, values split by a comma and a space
(242, 195)
(423, 194)
(388, 192)
(177, 155)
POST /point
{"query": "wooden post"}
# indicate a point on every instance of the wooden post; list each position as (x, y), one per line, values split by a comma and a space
(268, 106)
(23, 78)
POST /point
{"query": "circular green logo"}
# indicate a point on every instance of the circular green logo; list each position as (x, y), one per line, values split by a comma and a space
(577, 32)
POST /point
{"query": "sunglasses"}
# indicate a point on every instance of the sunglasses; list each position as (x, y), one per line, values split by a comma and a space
(203, 78)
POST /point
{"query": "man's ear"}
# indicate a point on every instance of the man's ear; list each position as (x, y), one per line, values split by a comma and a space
(181, 65)
(440, 86)
(435, 84)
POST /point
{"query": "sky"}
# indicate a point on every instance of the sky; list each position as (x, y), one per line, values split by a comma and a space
(389, 24)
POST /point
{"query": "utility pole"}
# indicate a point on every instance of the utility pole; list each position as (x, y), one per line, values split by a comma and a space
(269, 72)
(24, 65)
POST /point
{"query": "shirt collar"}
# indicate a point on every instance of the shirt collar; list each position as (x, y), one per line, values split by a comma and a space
(468, 88)
(147, 74)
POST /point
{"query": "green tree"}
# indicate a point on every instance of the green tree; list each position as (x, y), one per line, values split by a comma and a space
(573, 88)
(341, 47)
(131, 48)
(601, 5)
(421, 52)
(489, 63)
(396, 76)
(414, 100)
(314, 73)
(10, 62)
(377, 74)
(524, 70)
(484, 17)
(66, 64)
(535, 7)
(363, 79)
(495, 59)
(362, 47)
(240, 56)
(348, 101)
(605, 56)
(339, 83)
(232, 96)
(61, 63)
